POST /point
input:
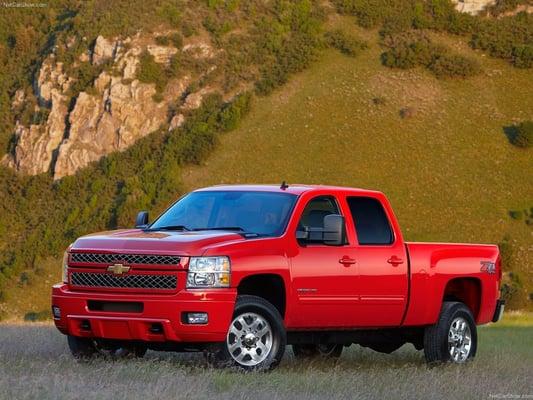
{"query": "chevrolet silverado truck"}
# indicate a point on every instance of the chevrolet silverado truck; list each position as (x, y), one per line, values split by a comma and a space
(241, 271)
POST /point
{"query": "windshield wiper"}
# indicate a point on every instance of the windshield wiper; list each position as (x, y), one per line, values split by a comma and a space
(221, 228)
(170, 228)
(241, 231)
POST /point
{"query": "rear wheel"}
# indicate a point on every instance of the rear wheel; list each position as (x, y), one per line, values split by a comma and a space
(256, 337)
(331, 350)
(454, 337)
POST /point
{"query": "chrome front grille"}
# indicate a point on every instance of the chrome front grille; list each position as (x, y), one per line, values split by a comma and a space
(133, 281)
(112, 258)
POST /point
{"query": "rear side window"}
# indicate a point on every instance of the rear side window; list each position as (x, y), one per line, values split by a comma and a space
(371, 223)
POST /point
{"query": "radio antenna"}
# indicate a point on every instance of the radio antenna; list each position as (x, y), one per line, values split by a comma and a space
(284, 185)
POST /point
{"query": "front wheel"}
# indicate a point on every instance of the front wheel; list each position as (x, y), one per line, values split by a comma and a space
(454, 337)
(256, 337)
(81, 348)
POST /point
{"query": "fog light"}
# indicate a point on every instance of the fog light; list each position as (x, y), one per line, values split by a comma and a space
(56, 311)
(197, 318)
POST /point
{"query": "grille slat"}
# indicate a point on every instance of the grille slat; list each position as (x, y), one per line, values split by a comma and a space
(103, 280)
(112, 258)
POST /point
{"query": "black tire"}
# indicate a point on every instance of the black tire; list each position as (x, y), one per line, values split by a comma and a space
(437, 348)
(324, 351)
(81, 348)
(244, 307)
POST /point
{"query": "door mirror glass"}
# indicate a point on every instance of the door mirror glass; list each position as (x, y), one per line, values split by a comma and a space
(312, 225)
(141, 222)
(334, 230)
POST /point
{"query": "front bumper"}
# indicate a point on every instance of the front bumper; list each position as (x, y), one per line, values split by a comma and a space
(498, 312)
(164, 311)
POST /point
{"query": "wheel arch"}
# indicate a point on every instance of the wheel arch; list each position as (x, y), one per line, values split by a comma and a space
(269, 286)
(466, 290)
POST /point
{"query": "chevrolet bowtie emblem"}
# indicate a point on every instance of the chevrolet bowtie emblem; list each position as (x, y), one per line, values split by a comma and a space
(118, 269)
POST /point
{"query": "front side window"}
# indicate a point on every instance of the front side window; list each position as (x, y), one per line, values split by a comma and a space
(371, 223)
(260, 213)
(312, 218)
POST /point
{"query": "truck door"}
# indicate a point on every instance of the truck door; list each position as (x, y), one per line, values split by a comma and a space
(323, 277)
(382, 263)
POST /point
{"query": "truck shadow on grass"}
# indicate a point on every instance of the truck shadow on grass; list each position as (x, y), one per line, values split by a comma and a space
(42, 341)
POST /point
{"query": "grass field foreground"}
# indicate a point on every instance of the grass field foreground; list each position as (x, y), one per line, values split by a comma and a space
(35, 364)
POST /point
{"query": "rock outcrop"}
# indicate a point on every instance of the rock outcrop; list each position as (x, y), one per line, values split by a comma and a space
(473, 7)
(114, 121)
(113, 115)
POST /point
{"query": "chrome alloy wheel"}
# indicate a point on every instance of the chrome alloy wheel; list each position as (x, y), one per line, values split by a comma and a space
(459, 340)
(250, 339)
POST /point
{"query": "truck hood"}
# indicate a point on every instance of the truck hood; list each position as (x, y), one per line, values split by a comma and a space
(158, 242)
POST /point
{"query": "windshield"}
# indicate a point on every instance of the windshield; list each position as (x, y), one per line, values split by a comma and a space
(260, 213)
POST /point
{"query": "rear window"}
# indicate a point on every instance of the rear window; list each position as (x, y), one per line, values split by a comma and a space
(371, 223)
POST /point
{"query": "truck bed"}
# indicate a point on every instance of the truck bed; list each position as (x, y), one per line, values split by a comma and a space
(438, 270)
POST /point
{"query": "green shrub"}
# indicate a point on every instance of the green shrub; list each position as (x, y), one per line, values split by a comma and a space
(174, 66)
(503, 6)
(409, 49)
(511, 289)
(84, 76)
(149, 71)
(413, 48)
(176, 39)
(523, 56)
(509, 38)
(346, 44)
(162, 40)
(451, 66)
(523, 135)
(188, 29)
(33, 316)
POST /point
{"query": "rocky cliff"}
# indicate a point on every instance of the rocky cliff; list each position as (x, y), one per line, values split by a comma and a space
(114, 112)
(473, 7)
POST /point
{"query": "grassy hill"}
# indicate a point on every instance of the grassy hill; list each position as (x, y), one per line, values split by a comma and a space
(449, 170)
(438, 147)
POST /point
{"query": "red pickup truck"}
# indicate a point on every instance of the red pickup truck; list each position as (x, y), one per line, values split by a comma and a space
(239, 272)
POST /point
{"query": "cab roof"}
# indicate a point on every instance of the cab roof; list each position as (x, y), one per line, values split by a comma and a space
(296, 188)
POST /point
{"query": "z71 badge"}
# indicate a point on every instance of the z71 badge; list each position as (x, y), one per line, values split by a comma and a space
(488, 266)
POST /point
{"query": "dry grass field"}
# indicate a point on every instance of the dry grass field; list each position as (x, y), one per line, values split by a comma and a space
(35, 364)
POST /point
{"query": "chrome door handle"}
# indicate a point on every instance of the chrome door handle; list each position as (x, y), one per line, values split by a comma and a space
(347, 261)
(395, 261)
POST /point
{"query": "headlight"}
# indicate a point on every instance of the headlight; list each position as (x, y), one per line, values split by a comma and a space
(65, 264)
(205, 272)
(65, 267)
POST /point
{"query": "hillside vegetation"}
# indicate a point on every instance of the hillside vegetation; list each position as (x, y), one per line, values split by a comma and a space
(449, 169)
(413, 99)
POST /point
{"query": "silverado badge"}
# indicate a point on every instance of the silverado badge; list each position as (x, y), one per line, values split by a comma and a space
(488, 266)
(118, 269)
